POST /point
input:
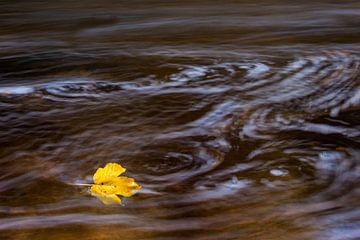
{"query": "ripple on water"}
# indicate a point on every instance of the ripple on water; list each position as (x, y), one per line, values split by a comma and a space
(227, 142)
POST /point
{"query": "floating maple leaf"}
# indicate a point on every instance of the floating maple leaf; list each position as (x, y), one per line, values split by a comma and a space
(108, 185)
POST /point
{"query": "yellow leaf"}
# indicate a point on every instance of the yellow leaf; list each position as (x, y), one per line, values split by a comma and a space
(108, 185)
(108, 173)
(108, 199)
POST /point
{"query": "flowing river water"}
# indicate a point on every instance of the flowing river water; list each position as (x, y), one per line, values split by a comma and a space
(240, 119)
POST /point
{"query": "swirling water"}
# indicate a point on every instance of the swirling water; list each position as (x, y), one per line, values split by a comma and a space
(239, 119)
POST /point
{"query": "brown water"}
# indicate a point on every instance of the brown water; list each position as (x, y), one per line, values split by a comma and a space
(241, 120)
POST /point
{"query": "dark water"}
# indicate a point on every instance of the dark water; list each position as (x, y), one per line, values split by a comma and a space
(240, 119)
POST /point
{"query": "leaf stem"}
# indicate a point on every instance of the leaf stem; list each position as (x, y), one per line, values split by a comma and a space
(80, 184)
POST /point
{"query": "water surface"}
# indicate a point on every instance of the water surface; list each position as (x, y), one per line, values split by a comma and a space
(239, 119)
